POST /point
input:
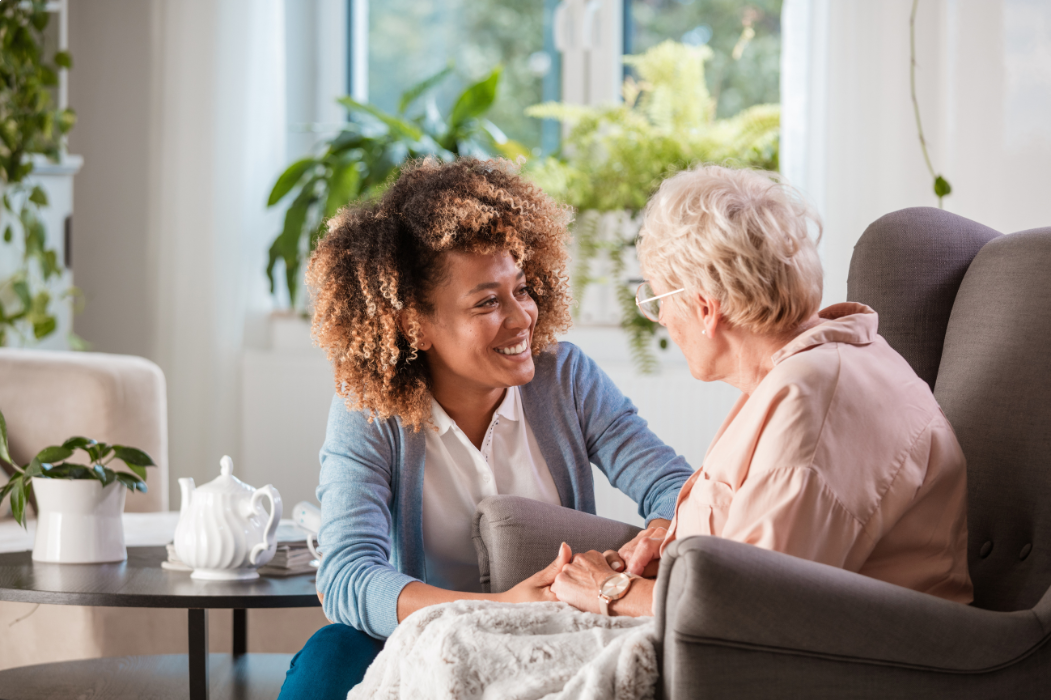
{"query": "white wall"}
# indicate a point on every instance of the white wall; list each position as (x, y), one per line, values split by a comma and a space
(984, 89)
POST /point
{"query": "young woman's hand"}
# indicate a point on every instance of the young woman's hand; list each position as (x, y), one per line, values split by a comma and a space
(537, 588)
(642, 554)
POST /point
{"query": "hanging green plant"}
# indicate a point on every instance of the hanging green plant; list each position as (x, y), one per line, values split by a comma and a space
(366, 156)
(615, 157)
(30, 125)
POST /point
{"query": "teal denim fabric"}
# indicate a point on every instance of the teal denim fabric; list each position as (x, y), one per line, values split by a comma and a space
(332, 662)
(371, 489)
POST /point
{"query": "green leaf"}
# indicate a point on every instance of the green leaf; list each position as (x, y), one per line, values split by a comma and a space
(68, 471)
(475, 101)
(133, 456)
(77, 443)
(36, 468)
(21, 289)
(139, 471)
(38, 196)
(106, 475)
(420, 88)
(55, 453)
(286, 246)
(942, 188)
(18, 500)
(400, 126)
(289, 179)
(44, 327)
(4, 453)
(102, 450)
(67, 119)
(63, 59)
(132, 482)
(8, 234)
(343, 187)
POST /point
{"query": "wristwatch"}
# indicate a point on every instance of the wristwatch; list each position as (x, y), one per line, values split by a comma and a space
(614, 588)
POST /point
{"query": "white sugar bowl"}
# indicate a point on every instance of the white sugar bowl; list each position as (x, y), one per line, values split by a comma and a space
(224, 534)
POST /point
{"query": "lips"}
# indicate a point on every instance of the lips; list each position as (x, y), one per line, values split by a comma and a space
(514, 349)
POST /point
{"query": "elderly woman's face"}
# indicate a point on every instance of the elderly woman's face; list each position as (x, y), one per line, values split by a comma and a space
(680, 315)
(481, 331)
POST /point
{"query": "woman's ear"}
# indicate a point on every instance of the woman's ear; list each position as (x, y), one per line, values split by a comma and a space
(708, 312)
(409, 319)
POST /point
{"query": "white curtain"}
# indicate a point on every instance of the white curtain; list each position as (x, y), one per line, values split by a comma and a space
(219, 145)
(849, 138)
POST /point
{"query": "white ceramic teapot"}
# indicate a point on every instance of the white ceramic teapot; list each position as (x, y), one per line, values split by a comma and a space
(223, 532)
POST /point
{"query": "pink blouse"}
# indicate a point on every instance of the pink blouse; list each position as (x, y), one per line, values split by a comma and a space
(841, 456)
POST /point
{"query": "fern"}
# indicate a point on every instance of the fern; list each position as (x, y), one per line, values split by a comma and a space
(614, 157)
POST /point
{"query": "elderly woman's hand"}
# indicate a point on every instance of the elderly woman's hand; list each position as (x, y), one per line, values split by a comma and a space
(579, 582)
(642, 554)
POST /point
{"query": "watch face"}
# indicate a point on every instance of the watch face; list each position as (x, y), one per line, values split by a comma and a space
(615, 586)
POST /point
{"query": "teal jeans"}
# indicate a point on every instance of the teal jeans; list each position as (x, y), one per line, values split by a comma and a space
(331, 663)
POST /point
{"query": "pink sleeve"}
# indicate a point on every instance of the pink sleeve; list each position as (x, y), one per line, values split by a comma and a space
(791, 510)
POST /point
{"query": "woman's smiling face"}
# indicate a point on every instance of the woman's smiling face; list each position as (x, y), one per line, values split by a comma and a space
(480, 333)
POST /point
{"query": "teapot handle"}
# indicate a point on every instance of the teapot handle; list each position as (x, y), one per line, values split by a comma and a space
(269, 543)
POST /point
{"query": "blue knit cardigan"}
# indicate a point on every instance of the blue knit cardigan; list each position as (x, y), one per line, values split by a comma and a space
(371, 488)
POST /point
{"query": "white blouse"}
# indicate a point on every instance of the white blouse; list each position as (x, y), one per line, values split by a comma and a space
(457, 476)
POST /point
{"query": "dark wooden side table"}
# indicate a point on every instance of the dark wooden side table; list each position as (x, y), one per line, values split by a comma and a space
(140, 582)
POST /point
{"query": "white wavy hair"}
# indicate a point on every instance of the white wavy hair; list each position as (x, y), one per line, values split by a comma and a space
(739, 236)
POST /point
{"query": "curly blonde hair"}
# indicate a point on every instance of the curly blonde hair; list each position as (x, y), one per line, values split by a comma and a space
(741, 236)
(371, 274)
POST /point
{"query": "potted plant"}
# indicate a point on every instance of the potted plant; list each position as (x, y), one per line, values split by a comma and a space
(614, 157)
(366, 155)
(30, 126)
(79, 506)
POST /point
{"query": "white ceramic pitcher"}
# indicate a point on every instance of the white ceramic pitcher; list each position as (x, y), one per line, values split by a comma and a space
(224, 534)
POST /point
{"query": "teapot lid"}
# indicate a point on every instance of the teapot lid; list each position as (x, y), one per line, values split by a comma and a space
(226, 482)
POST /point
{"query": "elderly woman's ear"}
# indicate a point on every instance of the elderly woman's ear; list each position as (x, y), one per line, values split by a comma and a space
(696, 308)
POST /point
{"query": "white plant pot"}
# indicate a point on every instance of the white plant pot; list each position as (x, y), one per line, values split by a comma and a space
(79, 521)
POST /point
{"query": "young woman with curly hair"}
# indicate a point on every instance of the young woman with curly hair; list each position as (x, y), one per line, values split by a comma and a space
(439, 307)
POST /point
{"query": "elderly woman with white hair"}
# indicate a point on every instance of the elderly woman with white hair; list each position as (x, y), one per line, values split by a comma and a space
(835, 451)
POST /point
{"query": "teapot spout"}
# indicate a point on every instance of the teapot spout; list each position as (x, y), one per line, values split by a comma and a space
(187, 487)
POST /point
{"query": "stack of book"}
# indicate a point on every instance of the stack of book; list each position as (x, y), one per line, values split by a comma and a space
(293, 557)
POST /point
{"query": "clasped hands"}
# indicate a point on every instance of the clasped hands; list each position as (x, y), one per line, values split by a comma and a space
(575, 579)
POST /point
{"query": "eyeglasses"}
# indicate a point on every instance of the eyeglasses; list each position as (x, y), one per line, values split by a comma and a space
(649, 302)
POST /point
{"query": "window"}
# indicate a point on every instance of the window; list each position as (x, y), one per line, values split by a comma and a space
(409, 40)
(745, 39)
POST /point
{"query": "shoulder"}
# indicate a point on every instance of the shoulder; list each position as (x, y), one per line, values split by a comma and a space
(562, 361)
(355, 431)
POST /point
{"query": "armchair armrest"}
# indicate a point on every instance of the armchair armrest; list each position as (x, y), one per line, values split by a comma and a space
(516, 537)
(712, 591)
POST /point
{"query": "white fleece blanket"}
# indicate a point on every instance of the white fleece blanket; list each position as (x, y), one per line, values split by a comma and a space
(525, 651)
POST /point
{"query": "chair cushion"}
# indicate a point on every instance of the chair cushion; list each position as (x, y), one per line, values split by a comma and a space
(907, 266)
(516, 537)
(994, 384)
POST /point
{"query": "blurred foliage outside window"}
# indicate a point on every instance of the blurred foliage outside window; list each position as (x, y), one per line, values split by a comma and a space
(744, 68)
(411, 39)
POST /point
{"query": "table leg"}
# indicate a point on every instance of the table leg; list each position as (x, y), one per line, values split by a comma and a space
(198, 628)
(240, 631)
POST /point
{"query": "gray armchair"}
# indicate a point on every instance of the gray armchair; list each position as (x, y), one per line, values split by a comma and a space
(969, 309)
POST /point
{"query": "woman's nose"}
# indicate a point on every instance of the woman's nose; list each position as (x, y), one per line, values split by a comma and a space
(518, 316)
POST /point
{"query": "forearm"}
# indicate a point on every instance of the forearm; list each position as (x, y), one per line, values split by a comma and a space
(637, 602)
(419, 595)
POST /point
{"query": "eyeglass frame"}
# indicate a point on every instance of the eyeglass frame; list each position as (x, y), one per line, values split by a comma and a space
(640, 302)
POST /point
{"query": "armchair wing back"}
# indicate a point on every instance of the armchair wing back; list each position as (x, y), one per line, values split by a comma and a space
(48, 396)
(994, 384)
(908, 266)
